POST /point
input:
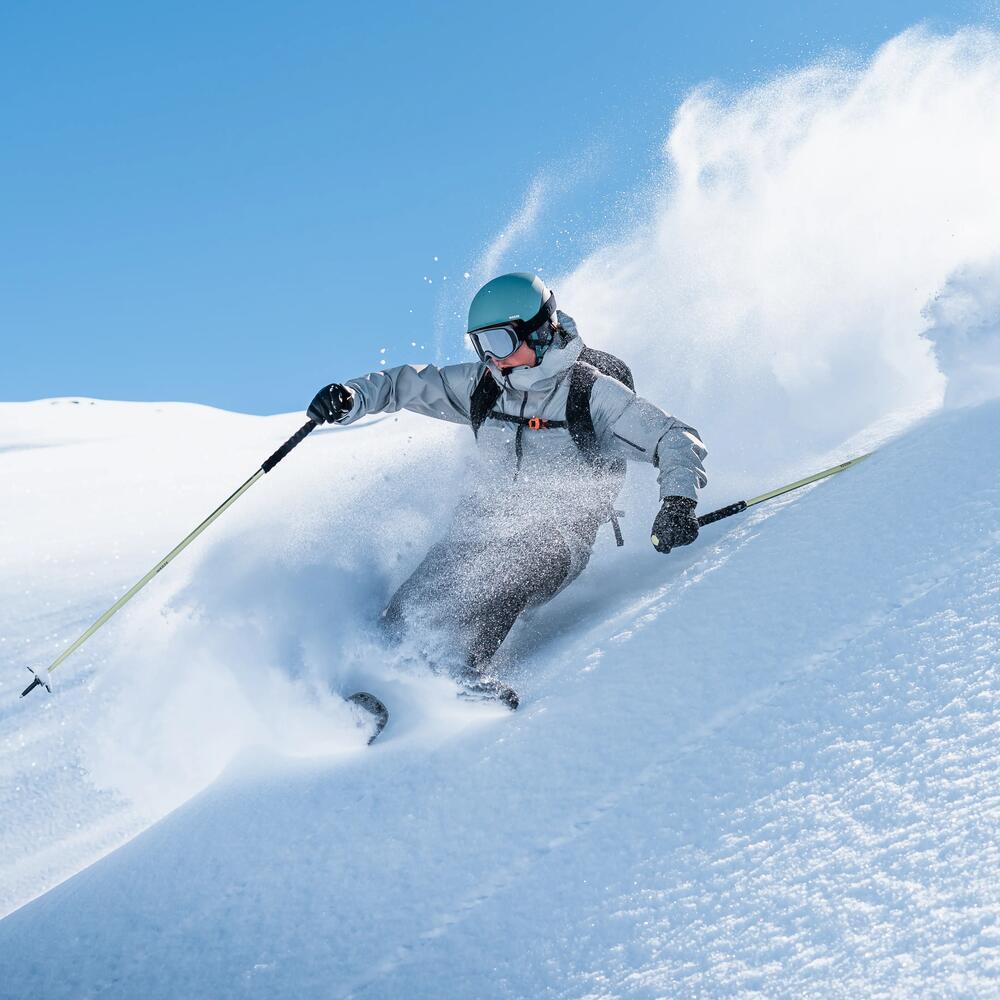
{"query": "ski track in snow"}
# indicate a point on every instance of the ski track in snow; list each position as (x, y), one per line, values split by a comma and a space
(771, 773)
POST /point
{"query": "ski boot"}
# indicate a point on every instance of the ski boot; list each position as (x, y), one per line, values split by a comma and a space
(476, 687)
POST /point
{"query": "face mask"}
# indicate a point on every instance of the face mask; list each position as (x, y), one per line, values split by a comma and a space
(552, 364)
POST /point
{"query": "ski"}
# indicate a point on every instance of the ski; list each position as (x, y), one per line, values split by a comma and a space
(375, 708)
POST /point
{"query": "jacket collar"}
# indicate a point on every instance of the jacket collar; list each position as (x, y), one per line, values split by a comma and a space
(555, 363)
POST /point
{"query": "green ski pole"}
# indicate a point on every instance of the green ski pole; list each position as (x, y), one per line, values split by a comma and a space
(741, 505)
(41, 680)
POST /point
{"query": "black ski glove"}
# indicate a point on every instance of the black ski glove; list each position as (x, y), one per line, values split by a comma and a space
(330, 404)
(675, 524)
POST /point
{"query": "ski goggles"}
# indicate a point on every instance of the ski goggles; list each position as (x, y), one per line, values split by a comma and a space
(503, 339)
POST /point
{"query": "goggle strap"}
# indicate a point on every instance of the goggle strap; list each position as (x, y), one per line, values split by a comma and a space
(544, 313)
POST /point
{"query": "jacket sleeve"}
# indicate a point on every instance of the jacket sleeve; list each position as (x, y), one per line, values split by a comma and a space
(633, 428)
(444, 393)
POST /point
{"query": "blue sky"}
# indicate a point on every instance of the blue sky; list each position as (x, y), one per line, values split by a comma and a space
(234, 203)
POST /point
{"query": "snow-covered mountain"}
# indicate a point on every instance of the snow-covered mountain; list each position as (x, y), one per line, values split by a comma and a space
(766, 765)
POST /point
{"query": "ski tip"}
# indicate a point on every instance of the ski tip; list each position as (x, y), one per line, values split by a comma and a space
(374, 707)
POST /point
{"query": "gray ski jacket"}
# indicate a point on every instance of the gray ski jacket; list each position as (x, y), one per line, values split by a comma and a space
(536, 479)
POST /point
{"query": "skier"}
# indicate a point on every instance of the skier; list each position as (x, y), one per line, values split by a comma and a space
(554, 422)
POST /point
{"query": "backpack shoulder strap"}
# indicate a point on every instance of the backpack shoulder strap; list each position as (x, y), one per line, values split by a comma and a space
(578, 418)
(580, 421)
(589, 365)
(486, 393)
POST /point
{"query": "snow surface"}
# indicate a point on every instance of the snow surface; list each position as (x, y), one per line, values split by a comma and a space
(766, 765)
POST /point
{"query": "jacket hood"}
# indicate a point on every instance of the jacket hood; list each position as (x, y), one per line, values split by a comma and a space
(556, 362)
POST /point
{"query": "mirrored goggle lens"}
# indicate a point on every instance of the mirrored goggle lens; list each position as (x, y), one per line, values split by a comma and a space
(496, 342)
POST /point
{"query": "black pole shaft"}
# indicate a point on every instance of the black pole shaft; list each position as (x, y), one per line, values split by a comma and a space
(718, 515)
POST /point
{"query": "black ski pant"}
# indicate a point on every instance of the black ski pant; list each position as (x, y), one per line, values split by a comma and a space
(469, 593)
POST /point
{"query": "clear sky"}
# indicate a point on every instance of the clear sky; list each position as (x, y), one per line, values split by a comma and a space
(234, 203)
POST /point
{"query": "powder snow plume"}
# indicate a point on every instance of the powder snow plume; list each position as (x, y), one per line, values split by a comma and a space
(819, 270)
(778, 297)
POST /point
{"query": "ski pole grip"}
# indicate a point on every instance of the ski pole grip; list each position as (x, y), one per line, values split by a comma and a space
(718, 515)
(297, 438)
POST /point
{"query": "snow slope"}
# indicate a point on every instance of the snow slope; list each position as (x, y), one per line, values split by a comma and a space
(764, 766)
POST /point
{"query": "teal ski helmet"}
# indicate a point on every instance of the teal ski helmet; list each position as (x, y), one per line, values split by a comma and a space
(508, 311)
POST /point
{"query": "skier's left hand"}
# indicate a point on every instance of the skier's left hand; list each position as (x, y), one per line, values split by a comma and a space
(675, 524)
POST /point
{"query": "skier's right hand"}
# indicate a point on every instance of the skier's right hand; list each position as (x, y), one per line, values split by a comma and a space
(331, 403)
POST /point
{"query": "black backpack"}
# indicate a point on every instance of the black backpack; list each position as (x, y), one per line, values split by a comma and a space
(578, 420)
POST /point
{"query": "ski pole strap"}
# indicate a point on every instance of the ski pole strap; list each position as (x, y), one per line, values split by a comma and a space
(718, 515)
(297, 438)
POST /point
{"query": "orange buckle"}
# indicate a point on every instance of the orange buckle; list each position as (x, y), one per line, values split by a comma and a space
(536, 423)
